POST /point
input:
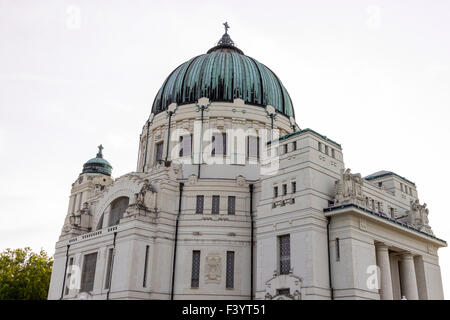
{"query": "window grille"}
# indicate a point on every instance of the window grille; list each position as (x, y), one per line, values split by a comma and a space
(200, 202)
(231, 205)
(215, 204)
(195, 278)
(230, 270)
(285, 254)
(88, 274)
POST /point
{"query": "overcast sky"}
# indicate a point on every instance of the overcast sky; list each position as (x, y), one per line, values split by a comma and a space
(371, 75)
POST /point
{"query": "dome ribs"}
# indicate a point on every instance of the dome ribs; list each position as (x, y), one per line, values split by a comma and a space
(223, 74)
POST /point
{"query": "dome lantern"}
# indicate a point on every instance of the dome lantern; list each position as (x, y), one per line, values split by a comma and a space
(97, 164)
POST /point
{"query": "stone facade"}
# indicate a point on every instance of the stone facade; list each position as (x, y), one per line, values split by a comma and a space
(339, 224)
(231, 200)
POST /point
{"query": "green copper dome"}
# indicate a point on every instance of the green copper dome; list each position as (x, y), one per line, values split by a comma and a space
(223, 74)
(97, 164)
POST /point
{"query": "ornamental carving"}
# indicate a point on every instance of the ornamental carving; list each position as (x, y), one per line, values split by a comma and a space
(284, 287)
(213, 269)
(349, 189)
(418, 216)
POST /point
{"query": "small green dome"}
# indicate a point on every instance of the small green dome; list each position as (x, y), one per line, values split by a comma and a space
(97, 164)
(223, 74)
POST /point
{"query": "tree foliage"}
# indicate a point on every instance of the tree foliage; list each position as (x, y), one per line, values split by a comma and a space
(24, 275)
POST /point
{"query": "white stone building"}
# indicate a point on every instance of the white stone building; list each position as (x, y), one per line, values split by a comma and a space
(232, 200)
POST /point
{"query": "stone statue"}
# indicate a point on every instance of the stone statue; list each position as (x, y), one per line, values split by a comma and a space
(349, 188)
(418, 216)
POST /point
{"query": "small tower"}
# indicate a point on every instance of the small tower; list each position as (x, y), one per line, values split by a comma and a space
(95, 176)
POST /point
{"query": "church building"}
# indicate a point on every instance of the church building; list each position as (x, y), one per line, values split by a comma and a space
(231, 199)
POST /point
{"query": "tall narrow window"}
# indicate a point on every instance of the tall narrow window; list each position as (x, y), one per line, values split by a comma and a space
(68, 277)
(401, 186)
(338, 250)
(294, 187)
(285, 254)
(333, 155)
(144, 281)
(230, 270)
(185, 146)
(319, 146)
(159, 151)
(231, 205)
(378, 206)
(284, 189)
(108, 268)
(391, 210)
(219, 144)
(200, 202)
(253, 147)
(294, 145)
(195, 277)
(275, 192)
(215, 204)
(285, 148)
(88, 273)
(326, 150)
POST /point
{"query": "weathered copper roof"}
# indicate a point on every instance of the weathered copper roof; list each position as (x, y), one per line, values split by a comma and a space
(97, 164)
(223, 74)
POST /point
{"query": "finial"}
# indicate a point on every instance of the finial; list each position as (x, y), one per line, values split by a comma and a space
(99, 154)
(226, 27)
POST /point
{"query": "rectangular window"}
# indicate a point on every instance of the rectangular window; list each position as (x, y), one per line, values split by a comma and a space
(275, 192)
(284, 291)
(195, 278)
(219, 144)
(410, 191)
(200, 202)
(108, 268)
(68, 277)
(333, 155)
(391, 210)
(231, 205)
(159, 151)
(144, 281)
(253, 147)
(215, 204)
(294, 145)
(285, 148)
(294, 187)
(88, 273)
(284, 189)
(285, 254)
(319, 147)
(185, 146)
(379, 206)
(326, 150)
(401, 186)
(380, 184)
(338, 250)
(230, 270)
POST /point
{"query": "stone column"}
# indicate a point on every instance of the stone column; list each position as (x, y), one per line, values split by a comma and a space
(408, 277)
(385, 270)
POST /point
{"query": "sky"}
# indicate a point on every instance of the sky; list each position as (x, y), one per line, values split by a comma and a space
(373, 76)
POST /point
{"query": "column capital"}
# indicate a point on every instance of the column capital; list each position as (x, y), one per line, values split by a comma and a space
(381, 246)
(406, 255)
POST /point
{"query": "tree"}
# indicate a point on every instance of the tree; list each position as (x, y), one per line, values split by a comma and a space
(24, 275)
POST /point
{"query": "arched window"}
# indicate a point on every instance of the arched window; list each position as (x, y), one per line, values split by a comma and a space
(118, 207)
